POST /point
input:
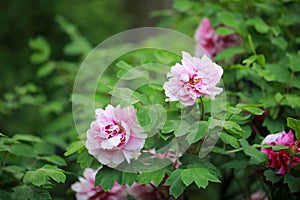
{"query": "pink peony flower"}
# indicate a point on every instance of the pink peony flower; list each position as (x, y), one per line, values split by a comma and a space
(85, 189)
(173, 157)
(144, 192)
(192, 79)
(115, 136)
(281, 159)
(212, 42)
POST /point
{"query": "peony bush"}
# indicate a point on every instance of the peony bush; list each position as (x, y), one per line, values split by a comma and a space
(234, 96)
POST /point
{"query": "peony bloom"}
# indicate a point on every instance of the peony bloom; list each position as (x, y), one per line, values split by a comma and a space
(281, 159)
(212, 42)
(144, 192)
(85, 189)
(192, 79)
(115, 136)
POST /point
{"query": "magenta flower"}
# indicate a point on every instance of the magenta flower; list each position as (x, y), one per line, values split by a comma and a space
(115, 136)
(85, 189)
(211, 42)
(281, 159)
(192, 79)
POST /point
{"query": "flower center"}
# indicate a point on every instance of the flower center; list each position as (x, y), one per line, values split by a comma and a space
(112, 130)
(115, 131)
(195, 80)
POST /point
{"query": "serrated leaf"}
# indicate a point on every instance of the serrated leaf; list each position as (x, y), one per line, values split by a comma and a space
(177, 186)
(106, 177)
(256, 156)
(293, 183)
(55, 159)
(228, 139)
(85, 159)
(128, 178)
(155, 176)
(200, 176)
(295, 125)
(274, 126)
(37, 177)
(53, 172)
(272, 176)
(25, 192)
(74, 147)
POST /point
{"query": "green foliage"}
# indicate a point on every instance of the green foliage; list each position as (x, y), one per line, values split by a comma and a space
(295, 125)
(155, 176)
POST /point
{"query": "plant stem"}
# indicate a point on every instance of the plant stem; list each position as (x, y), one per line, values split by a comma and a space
(202, 109)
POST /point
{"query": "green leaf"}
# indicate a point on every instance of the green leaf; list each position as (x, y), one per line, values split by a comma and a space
(272, 176)
(55, 173)
(200, 176)
(23, 150)
(28, 138)
(85, 159)
(170, 126)
(182, 5)
(281, 147)
(25, 192)
(256, 156)
(294, 60)
(233, 128)
(293, 183)
(198, 132)
(165, 57)
(274, 126)
(227, 53)
(235, 164)
(106, 178)
(155, 176)
(279, 42)
(259, 24)
(124, 65)
(253, 110)
(42, 50)
(128, 178)
(228, 139)
(295, 125)
(234, 110)
(37, 177)
(17, 171)
(224, 30)
(176, 183)
(74, 147)
(55, 159)
(45, 69)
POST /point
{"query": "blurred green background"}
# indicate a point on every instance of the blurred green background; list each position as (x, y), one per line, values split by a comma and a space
(26, 95)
